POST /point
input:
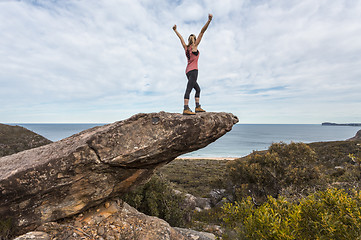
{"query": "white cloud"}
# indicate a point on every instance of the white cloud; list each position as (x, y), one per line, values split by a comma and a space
(266, 61)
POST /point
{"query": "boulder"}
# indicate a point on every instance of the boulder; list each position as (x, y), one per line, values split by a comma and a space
(195, 235)
(216, 195)
(192, 202)
(64, 178)
(203, 203)
(114, 220)
(34, 236)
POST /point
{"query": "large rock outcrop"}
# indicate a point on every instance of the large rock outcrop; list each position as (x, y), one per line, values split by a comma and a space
(66, 177)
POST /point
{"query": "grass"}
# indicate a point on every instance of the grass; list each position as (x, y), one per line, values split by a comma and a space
(335, 153)
(199, 176)
(196, 176)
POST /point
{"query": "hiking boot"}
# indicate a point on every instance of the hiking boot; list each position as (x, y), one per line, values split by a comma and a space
(188, 112)
(199, 110)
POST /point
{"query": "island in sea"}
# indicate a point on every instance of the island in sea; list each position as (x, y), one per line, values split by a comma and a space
(341, 124)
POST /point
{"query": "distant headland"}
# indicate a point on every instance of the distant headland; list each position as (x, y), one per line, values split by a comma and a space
(341, 124)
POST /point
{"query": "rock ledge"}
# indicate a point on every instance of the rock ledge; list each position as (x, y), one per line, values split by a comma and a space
(64, 178)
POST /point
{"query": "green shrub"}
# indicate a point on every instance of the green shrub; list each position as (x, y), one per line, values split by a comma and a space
(6, 231)
(330, 214)
(356, 158)
(282, 166)
(268, 221)
(157, 198)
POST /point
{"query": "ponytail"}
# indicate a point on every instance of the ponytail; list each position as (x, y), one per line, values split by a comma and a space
(189, 44)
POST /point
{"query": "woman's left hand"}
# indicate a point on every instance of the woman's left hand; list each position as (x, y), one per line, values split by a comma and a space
(210, 16)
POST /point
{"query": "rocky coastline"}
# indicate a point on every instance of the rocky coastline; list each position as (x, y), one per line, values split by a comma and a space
(43, 186)
(113, 218)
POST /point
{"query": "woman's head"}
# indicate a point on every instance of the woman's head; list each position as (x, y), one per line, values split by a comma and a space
(191, 39)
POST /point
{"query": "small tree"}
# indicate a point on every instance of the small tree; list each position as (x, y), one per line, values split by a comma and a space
(282, 166)
(157, 198)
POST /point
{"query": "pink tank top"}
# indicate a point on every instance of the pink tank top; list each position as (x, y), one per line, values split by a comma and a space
(192, 60)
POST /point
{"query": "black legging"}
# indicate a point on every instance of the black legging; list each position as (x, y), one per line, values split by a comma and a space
(192, 83)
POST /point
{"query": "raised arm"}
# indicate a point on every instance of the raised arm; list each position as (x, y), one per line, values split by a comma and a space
(199, 38)
(180, 37)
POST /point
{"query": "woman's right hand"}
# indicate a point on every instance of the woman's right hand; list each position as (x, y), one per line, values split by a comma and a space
(175, 27)
(210, 16)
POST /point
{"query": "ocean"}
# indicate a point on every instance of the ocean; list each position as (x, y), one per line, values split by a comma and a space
(241, 141)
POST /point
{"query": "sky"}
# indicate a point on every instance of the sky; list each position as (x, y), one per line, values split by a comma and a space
(100, 61)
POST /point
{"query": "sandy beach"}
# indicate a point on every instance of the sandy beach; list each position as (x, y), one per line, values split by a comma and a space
(208, 158)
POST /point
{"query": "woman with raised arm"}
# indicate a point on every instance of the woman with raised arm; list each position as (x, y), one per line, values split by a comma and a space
(192, 54)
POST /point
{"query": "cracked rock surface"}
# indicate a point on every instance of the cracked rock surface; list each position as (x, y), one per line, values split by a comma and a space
(64, 178)
(113, 220)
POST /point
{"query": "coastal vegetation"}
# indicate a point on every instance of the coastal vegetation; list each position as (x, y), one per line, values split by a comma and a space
(284, 169)
(6, 230)
(275, 193)
(196, 176)
(296, 191)
(290, 191)
(329, 214)
(15, 139)
(156, 198)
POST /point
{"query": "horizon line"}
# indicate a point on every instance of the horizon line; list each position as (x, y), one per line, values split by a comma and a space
(12, 123)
